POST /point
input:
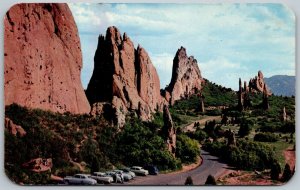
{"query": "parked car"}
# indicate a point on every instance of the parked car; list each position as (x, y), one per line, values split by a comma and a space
(82, 179)
(117, 177)
(152, 169)
(139, 170)
(102, 177)
(126, 176)
(127, 171)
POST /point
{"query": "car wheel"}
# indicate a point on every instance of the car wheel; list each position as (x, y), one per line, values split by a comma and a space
(67, 182)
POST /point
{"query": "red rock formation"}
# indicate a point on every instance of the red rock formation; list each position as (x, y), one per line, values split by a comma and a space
(13, 128)
(169, 131)
(42, 58)
(124, 76)
(257, 83)
(38, 165)
(186, 77)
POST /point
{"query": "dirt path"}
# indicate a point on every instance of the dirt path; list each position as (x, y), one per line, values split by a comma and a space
(190, 127)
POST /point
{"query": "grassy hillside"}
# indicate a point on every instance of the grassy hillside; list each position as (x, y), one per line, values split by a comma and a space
(83, 144)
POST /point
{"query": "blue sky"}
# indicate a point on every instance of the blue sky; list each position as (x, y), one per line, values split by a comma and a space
(228, 40)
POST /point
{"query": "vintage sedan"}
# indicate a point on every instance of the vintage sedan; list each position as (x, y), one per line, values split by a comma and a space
(81, 179)
(102, 177)
(139, 170)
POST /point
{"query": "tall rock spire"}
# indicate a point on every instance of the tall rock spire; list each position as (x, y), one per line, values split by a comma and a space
(169, 131)
(186, 77)
(240, 96)
(125, 77)
(265, 98)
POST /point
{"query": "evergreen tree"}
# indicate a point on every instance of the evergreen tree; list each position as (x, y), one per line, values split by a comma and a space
(275, 170)
(189, 181)
(210, 180)
(287, 173)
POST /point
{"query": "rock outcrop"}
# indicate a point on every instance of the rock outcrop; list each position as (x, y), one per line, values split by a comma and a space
(169, 131)
(42, 58)
(39, 165)
(265, 103)
(14, 129)
(284, 115)
(125, 77)
(186, 78)
(257, 84)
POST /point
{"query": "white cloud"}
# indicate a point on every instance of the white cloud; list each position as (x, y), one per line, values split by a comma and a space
(85, 16)
(228, 40)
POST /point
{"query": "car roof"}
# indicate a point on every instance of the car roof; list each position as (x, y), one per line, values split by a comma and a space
(101, 173)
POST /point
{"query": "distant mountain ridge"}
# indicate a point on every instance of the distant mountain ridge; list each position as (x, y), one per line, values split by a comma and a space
(282, 85)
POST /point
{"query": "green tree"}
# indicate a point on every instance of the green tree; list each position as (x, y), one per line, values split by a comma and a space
(287, 173)
(187, 149)
(244, 128)
(210, 180)
(275, 170)
(189, 181)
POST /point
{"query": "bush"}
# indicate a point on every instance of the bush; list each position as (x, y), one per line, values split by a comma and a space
(245, 128)
(137, 144)
(275, 170)
(210, 180)
(187, 149)
(265, 137)
(288, 127)
(287, 173)
(189, 181)
(198, 135)
(247, 155)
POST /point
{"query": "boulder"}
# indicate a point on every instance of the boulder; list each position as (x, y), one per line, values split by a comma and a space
(43, 59)
(39, 165)
(14, 129)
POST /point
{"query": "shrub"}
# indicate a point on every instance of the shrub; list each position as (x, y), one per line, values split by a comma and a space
(189, 181)
(287, 173)
(198, 135)
(244, 128)
(210, 180)
(187, 149)
(265, 137)
(275, 170)
(247, 155)
(137, 144)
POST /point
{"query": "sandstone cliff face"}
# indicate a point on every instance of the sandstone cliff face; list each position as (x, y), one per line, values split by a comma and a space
(186, 77)
(42, 58)
(123, 76)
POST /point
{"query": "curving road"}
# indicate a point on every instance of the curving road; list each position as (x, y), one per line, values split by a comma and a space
(210, 165)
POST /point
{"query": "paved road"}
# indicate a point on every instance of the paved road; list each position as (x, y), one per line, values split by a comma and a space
(210, 165)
